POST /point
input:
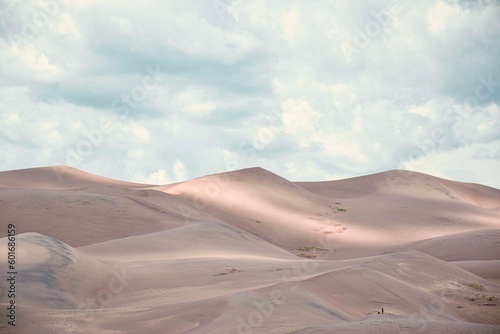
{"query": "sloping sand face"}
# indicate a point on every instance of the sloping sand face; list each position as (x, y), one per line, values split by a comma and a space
(251, 252)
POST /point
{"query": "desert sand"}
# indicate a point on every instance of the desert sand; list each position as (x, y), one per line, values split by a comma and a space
(250, 252)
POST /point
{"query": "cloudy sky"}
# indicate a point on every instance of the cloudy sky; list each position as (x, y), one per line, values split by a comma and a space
(163, 91)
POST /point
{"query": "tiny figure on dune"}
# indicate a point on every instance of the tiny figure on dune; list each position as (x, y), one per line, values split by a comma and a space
(382, 310)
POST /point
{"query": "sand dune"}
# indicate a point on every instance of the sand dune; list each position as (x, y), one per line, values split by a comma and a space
(55, 275)
(402, 182)
(393, 324)
(466, 246)
(197, 240)
(57, 177)
(486, 269)
(251, 252)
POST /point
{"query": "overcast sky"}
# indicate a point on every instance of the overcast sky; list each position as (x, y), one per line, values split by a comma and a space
(164, 91)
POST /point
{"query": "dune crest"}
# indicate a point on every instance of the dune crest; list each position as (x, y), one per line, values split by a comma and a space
(56, 177)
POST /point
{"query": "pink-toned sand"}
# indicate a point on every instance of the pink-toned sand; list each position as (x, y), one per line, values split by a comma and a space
(251, 252)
